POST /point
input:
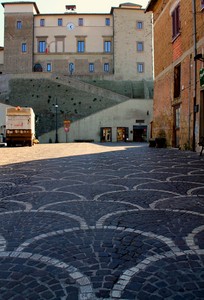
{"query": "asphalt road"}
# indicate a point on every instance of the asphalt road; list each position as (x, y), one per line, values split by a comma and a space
(101, 221)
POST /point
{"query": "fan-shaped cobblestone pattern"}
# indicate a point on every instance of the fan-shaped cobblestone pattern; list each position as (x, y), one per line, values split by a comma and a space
(123, 224)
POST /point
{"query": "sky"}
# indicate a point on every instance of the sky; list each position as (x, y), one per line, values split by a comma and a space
(82, 6)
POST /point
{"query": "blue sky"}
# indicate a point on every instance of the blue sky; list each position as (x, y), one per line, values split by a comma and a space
(83, 6)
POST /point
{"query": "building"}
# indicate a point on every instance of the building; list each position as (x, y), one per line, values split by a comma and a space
(108, 50)
(117, 43)
(179, 64)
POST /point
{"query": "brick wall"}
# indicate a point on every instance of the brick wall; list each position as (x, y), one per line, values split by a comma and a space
(14, 60)
(177, 48)
(168, 53)
(162, 107)
(162, 43)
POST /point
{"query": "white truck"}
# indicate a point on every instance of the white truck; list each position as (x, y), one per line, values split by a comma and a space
(20, 126)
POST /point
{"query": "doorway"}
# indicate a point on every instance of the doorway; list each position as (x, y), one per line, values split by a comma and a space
(122, 134)
(201, 113)
(140, 133)
(106, 134)
(176, 127)
(71, 68)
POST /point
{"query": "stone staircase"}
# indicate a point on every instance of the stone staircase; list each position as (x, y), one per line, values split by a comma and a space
(87, 87)
(70, 81)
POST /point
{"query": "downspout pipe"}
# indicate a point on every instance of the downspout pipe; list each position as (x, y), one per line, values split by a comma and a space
(195, 73)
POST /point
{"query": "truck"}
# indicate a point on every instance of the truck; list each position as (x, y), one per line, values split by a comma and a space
(20, 126)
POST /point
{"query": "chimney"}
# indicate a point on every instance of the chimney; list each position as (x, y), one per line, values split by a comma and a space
(70, 7)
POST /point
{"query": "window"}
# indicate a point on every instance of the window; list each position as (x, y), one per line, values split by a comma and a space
(107, 22)
(139, 25)
(59, 46)
(176, 22)
(24, 47)
(19, 25)
(140, 67)
(80, 46)
(107, 46)
(106, 67)
(202, 4)
(91, 67)
(177, 81)
(42, 46)
(49, 67)
(140, 46)
(59, 22)
(42, 22)
(80, 21)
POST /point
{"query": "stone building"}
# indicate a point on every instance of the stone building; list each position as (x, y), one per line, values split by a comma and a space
(110, 50)
(178, 62)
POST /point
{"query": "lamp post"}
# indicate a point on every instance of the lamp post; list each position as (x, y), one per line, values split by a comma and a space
(56, 123)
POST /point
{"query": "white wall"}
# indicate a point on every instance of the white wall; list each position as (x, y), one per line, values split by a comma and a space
(121, 115)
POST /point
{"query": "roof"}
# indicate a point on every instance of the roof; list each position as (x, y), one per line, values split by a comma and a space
(70, 7)
(150, 5)
(22, 2)
(130, 4)
(127, 5)
(72, 14)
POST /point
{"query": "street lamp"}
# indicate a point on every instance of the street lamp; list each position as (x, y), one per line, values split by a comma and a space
(56, 123)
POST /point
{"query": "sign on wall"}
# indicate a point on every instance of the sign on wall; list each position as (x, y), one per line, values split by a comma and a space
(66, 125)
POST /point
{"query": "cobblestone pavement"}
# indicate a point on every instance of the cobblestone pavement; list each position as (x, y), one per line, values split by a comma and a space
(91, 221)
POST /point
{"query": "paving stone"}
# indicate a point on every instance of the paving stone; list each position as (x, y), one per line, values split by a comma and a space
(91, 221)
